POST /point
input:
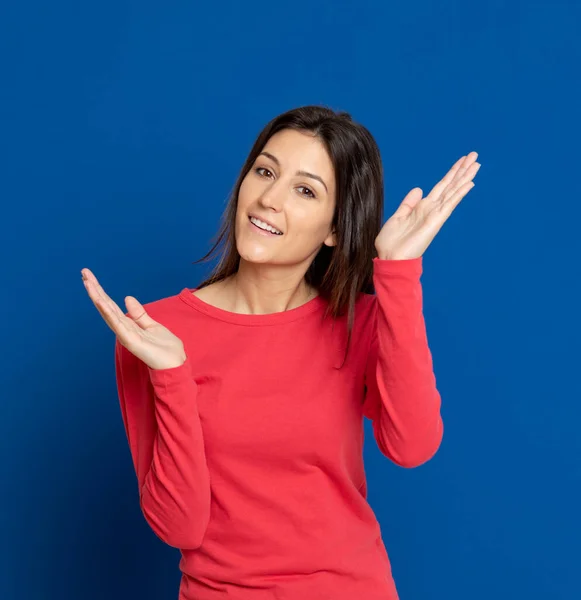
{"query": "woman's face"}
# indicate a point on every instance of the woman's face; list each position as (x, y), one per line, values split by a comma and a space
(290, 186)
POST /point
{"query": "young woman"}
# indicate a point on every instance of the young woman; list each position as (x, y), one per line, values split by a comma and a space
(243, 399)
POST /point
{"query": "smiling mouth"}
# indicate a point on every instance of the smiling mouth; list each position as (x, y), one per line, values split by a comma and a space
(263, 227)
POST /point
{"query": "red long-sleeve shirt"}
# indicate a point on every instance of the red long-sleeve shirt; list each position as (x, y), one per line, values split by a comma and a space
(249, 455)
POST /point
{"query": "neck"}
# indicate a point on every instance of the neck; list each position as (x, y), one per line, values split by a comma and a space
(266, 289)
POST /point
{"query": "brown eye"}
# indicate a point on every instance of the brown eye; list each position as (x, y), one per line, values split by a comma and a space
(258, 169)
(310, 195)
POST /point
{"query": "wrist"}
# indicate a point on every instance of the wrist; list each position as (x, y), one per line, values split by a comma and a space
(382, 255)
(172, 363)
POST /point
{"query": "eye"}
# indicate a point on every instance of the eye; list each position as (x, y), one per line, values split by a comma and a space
(309, 194)
(312, 195)
(258, 169)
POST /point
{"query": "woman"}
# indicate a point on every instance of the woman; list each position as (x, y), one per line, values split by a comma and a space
(243, 399)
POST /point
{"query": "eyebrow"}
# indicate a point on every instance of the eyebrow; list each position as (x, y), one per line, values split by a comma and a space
(303, 173)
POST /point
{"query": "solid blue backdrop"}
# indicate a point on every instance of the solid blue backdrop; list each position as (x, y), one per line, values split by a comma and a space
(123, 128)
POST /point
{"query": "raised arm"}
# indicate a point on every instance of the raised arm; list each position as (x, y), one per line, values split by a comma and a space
(401, 397)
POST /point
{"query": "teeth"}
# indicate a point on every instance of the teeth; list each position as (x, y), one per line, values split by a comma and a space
(264, 225)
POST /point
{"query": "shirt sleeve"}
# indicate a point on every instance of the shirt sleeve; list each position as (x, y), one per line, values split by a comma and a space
(401, 397)
(164, 432)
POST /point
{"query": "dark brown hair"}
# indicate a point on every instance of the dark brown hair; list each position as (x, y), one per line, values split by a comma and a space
(341, 272)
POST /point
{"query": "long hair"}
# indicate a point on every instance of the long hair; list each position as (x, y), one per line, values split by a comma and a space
(341, 272)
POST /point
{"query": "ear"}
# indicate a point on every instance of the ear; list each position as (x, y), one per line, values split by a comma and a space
(331, 239)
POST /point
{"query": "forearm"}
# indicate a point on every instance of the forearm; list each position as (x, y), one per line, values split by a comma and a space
(163, 428)
(175, 496)
(407, 424)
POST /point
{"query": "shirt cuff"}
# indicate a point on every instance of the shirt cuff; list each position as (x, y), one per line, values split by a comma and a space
(172, 376)
(410, 268)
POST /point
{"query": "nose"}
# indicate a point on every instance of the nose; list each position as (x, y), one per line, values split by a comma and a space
(272, 197)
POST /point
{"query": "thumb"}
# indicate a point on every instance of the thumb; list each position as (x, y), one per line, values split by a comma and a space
(409, 202)
(138, 313)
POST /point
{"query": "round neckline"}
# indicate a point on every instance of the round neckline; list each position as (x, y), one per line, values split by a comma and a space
(286, 316)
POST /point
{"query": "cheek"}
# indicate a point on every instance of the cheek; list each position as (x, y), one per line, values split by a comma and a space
(243, 194)
(244, 200)
(308, 227)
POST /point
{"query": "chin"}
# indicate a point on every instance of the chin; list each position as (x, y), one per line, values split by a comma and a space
(253, 253)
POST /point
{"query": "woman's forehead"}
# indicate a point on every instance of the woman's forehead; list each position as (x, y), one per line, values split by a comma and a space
(301, 151)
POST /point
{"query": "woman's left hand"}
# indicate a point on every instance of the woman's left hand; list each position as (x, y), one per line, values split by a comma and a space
(416, 222)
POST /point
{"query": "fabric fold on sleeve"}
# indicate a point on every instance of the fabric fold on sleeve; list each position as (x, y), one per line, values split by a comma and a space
(401, 396)
(162, 423)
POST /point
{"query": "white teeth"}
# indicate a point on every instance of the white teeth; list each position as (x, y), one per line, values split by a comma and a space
(264, 225)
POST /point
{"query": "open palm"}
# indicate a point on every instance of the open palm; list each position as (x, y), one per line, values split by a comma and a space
(416, 222)
(147, 339)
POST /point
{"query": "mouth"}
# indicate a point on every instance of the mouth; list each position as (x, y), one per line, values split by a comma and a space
(263, 228)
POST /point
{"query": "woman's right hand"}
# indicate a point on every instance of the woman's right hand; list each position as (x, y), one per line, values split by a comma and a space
(147, 339)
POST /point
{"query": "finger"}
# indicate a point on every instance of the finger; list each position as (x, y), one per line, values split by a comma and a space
(409, 203)
(138, 313)
(437, 189)
(111, 311)
(457, 170)
(453, 187)
(115, 319)
(460, 175)
(93, 296)
(106, 301)
(455, 199)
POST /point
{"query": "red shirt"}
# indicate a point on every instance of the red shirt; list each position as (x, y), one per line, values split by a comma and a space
(249, 455)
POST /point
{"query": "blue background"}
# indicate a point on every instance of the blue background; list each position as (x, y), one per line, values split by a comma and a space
(123, 126)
